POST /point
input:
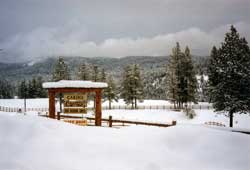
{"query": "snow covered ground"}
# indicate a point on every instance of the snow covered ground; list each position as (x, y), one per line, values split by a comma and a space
(35, 143)
(159, 115)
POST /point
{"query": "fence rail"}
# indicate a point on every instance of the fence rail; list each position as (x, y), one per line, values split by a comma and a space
(150, 107)
(125, 107)
(111, 121)
(18, 109)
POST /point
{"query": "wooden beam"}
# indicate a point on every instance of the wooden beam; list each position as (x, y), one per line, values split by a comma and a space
(98, 109)
(52, 104)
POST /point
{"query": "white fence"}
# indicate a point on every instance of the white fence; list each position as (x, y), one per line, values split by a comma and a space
(125, 107)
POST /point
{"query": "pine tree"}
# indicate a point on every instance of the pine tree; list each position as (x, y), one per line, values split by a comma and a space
(95, 74)
(30, 90)
(181, 79)
(138, 85)
(83, 73)
(127, 85)
(229, 77)
(132, 86)
(174, 75)
(190, 78)
(23, 90)
(61, 71)
(103, 76)
(6, 89)
(41, 92)
(110, 92)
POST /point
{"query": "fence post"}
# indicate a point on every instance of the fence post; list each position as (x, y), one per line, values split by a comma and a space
(174, 122)
(110, 121)
(58, 115)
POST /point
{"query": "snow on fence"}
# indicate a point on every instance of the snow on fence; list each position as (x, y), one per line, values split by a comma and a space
(150, 107)
(124, 107)
(17, 109)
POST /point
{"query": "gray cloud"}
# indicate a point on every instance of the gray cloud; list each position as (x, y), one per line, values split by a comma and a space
(36, 28)
(70, 41)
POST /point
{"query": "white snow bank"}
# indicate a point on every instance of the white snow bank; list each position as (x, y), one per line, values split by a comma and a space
(30, 142)
(74, 84)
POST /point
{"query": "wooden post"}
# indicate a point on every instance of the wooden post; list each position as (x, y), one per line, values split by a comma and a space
(58, 116)
(110, 121)
(98, 109)
(52, 105)
(174, 122)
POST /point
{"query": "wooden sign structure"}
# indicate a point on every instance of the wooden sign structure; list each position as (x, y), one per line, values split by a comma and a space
(75, 103)
(73, 86)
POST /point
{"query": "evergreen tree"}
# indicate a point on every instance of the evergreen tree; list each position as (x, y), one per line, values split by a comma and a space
(41, 92)
(181, 79)
(138, 85)
(190, 78)
(23, 90)
(61, 71)
(83, 73)
(95, 74)
(103, 76)
(110, 92)
(132, 86)
(174, 74)
(229, 77)
(127, 88)
(6, 89)
(30, 90)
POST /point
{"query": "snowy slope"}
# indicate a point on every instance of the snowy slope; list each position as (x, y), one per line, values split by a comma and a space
(35, 143)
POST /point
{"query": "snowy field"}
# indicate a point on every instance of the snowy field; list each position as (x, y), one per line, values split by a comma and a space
(35, 143)
(29, 142)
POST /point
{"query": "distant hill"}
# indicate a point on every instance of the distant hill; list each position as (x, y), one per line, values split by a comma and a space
(152, 68)
(44, 68)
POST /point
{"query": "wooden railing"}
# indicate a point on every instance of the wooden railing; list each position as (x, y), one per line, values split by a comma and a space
(215, 124)
(111, 121)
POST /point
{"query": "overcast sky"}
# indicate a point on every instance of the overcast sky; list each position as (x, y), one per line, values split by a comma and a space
(32, 29)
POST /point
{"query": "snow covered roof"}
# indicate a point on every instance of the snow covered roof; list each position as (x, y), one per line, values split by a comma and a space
(74, 84)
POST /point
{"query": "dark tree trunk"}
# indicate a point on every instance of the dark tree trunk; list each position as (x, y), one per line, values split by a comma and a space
(231, 115)
(135, 103)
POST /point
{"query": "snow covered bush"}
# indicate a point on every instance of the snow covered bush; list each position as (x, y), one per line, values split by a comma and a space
(190, 113)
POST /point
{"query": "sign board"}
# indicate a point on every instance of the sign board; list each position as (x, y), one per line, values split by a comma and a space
(75, 96)
(75, 110)
(69, 103)
(75, 103)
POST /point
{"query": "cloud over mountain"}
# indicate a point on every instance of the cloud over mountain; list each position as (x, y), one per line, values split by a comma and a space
(71, 40)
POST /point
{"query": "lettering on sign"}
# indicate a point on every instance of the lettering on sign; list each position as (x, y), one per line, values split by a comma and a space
(68, 103)
(75, 110)
(75, 103)
(75, 97)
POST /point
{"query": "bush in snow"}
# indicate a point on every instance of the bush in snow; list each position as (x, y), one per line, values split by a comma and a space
(190, 113)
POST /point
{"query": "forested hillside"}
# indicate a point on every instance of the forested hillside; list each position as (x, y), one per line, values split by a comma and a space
(153, 70)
